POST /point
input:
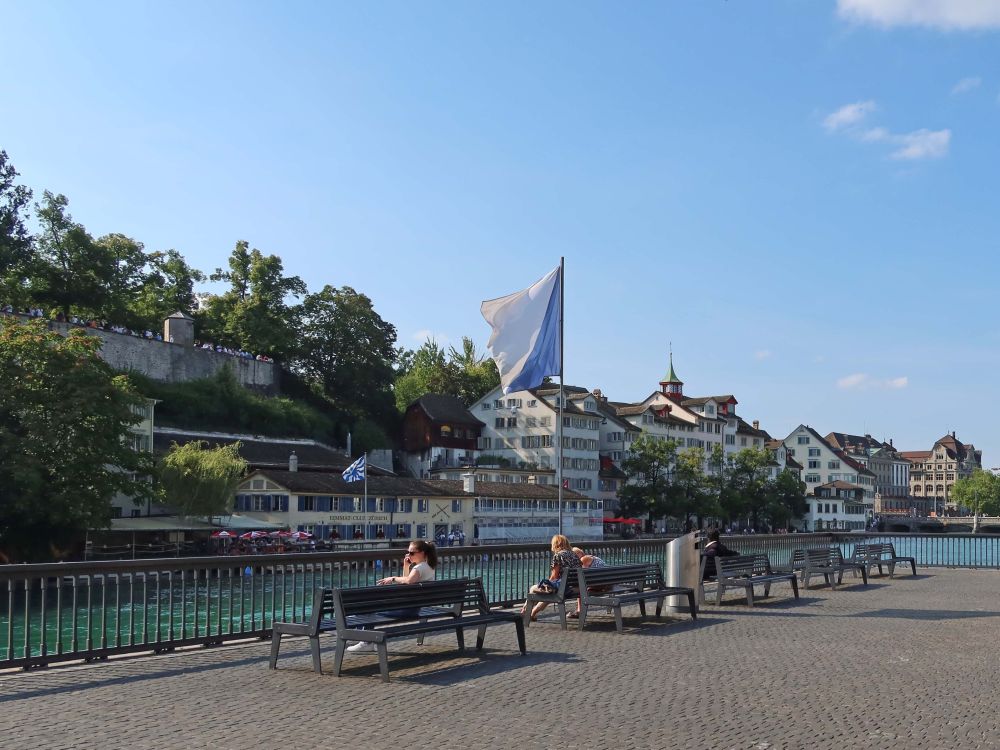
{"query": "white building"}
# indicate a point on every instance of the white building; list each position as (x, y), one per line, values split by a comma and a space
(835, 471)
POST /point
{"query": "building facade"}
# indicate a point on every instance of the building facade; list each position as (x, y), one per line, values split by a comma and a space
(891, 469)
(933, 473)
(439, 433)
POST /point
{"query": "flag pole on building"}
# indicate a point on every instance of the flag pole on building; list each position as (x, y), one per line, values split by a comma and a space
(562, 383)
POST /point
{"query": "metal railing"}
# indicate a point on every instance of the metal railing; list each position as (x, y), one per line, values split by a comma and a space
(91, 610)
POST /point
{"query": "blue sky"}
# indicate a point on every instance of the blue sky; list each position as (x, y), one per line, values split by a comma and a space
(800, 195)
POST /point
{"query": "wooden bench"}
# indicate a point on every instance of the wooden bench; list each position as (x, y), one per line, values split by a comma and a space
(828, 562)
(358, 615)
(747, 571)
(617, 585)
(874, 555)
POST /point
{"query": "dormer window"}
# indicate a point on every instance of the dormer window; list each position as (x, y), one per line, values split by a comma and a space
(588, 405)
(711, 409)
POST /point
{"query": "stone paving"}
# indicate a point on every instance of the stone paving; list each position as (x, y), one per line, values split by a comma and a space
(905, 663)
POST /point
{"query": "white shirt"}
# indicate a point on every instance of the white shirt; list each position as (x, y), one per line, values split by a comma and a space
(424, 571)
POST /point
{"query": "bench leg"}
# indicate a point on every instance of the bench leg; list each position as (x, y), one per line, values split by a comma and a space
(831, 580)
(767, 590)
(383, 658)
(805, 580)
(892, 569)
(913, 565)
(795, 587)
(338, 656)
(642, 607)
(619, 625)
(460, 635)
(583, 615)
(750, 595)
(520, 637)
(864, 576)
(480, 638)
(659, 607)
(420, 638)
(314, 648)
(562, 614)
(692, 606)
(275, 645)
(719, 588)
(526, 612)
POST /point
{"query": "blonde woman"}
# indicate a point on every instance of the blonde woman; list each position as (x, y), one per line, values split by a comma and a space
(563, 562)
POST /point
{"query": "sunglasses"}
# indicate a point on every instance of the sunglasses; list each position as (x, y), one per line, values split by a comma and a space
(413, 552)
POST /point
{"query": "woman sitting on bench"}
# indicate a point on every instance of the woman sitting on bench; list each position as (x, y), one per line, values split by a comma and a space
(563, 562)
(418, 566)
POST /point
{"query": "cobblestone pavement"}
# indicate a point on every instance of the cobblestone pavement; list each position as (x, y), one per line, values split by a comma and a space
(904, 663)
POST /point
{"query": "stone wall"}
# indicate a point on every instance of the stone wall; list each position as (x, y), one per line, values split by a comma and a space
(173, 363)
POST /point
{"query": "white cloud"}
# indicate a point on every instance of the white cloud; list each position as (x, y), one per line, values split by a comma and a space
(848, 115)
(862, 380)
(426, 334)
(921, 144)
(761, 354)
(856, 380)
(938, 14)
(966, 85)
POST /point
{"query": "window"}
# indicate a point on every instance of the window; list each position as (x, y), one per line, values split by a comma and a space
(512, 421)
(421, 531)
(532, 404)
(499, 422)
(485, 406)
(814, 452)
(951, 477)
(422, 506)
(833, 464)
(456, 506)
(813, 464)
(498, 404)
(545, 421)
(731, 440)
(834, 507)
(827, 506)
(812, 478)
(513, 403)
(803, 440)
(445, 430)
(406, 506)
(710, 409)
(531, 422)
(136, 512)
(307, 503)
(484, 443)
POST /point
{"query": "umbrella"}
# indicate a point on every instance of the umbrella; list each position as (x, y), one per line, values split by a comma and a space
(253, 535)
(297, 535)
(223, 534)
(280, 534)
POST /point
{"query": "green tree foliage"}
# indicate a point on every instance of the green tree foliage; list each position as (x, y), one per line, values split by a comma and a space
(220, 402)
(71, 272)
(979, 492)
(167, 287)
(254, 314)
(462, 373)
(691, 488)
(126, 273)
(64, 418)
(15, 240)
(200, 481)
(648, 488)
(347, 351)
(748, 473)
(786, 499)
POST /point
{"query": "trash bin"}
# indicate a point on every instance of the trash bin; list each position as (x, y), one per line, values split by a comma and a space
(683, 568)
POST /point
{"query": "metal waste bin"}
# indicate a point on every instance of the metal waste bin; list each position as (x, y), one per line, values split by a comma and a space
(683, 568)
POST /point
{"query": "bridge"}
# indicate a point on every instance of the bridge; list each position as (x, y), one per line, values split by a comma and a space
(941, 525)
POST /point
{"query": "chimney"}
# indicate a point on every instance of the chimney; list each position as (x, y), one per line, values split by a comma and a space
(469, 482)
(756, 424)
(890, 443)
(953, 433)
(293, 462)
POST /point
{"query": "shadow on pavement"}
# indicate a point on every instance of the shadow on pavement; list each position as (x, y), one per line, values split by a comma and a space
(925, 614)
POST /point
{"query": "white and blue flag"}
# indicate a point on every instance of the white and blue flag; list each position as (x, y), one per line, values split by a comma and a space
(525, 339)
(355, 472)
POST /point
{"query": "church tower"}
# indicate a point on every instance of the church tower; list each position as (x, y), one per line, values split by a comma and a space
(671, 385)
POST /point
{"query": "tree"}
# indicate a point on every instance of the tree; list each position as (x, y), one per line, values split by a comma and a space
(465, 374)
(646, 491)
(749, 472)
(254, 314)
(785, 498)
(167, 287)
(127, 262)
(979, 492)
(71, 272)
(16, 250)
(64, 420)
(347, 350)
(200, 481)
(691, 488)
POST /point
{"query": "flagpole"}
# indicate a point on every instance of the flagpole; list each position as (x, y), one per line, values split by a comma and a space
(562, 383)
(365, 535)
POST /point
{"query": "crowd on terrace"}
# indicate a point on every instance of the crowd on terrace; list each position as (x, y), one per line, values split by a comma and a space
(59, 317)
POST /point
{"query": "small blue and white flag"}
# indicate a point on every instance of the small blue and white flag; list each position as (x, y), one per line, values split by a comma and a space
(356, 471)
(525, 339)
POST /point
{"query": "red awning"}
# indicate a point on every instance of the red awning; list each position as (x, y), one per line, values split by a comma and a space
(622, 520)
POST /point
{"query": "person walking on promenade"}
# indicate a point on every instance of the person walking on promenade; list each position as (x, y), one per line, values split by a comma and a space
(563, 563)
(419, 565)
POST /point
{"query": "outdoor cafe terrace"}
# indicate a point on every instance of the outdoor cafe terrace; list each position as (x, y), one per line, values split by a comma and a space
(907, 662)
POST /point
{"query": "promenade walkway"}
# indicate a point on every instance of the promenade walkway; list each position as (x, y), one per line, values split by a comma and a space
(816, 673)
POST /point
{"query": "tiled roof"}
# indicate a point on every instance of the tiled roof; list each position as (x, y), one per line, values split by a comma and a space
(697, 400)
(441, 408)
(839, 453)
(744, 428)
(791, 463)
(915, 455)
(840, 485)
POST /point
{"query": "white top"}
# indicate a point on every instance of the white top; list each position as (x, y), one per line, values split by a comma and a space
(424, 571)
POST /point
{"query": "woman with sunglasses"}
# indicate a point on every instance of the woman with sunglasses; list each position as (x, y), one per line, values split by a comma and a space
(418, 566)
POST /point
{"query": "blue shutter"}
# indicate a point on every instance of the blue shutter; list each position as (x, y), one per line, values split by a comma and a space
(407, 531)
(371, 505)
(302, 505)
